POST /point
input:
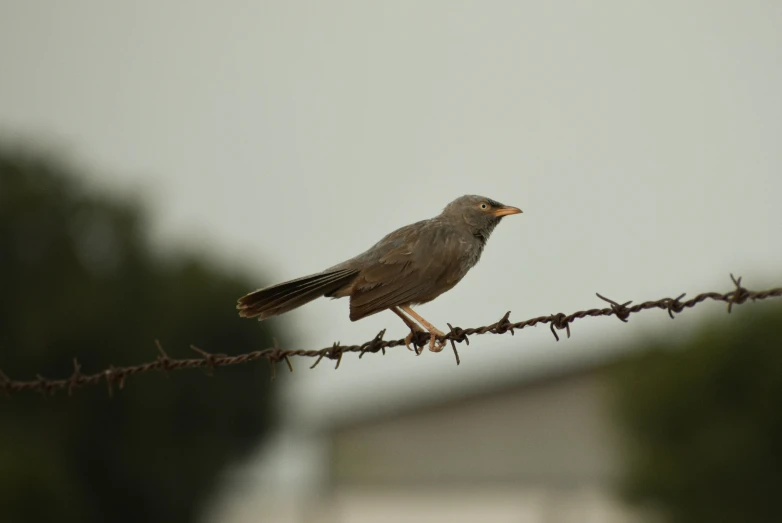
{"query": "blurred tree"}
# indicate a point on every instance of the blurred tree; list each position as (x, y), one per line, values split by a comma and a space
(703, 422)
(79, 279)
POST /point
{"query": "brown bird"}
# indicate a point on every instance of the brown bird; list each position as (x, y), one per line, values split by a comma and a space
(410, 266)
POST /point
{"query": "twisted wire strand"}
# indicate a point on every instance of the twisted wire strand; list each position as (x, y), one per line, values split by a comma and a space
(115, 377)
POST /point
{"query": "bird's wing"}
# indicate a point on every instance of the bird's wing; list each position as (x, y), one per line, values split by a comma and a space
(396, 271)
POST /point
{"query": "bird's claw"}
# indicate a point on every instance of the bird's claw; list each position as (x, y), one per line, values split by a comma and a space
(436, 345)
(410, 338)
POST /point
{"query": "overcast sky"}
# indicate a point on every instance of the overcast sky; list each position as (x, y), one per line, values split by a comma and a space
(642, 140)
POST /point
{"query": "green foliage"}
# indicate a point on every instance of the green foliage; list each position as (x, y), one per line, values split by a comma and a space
(78, 279)
(704, 422)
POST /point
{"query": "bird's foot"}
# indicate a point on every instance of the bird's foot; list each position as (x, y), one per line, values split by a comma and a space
(412, 337)
(436, 345)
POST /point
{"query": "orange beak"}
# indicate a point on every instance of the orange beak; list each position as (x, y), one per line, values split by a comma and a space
(506, 211)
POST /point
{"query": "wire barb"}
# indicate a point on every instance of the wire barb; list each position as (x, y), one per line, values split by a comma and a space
(73, 381)
(109, 380)
(738, 296)
(560, 321)
(335, 353)
(163, 361)
(210, 360)
(504, 325)
(619, 310)
(675, 305)
(116, 376)
(42, 386)
(373, 345)
(457, 334)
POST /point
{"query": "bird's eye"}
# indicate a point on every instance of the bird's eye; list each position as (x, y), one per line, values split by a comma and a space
(484, 206)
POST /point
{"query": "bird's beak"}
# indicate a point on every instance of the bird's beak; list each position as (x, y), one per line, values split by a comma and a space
(506, 211)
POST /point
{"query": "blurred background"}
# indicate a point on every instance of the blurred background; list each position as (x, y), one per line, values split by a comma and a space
(160, 159)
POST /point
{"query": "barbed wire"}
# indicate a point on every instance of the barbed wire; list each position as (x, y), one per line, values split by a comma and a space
(117, 376)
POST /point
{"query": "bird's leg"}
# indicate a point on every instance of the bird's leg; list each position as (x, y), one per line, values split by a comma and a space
(414, 329)
(434, 332)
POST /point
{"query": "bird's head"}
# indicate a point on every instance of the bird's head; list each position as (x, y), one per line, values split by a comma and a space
(480, 214)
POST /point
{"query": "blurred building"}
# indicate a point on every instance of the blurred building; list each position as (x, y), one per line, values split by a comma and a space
(537, 449)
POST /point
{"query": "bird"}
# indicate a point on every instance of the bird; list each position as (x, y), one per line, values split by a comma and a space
(410, 266)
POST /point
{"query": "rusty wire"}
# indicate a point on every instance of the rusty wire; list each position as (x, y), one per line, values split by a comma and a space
(116, 376)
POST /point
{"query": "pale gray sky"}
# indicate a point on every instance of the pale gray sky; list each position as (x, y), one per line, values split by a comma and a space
(642, 140)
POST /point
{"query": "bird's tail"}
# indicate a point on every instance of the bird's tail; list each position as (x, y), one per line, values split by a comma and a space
(289, 295)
